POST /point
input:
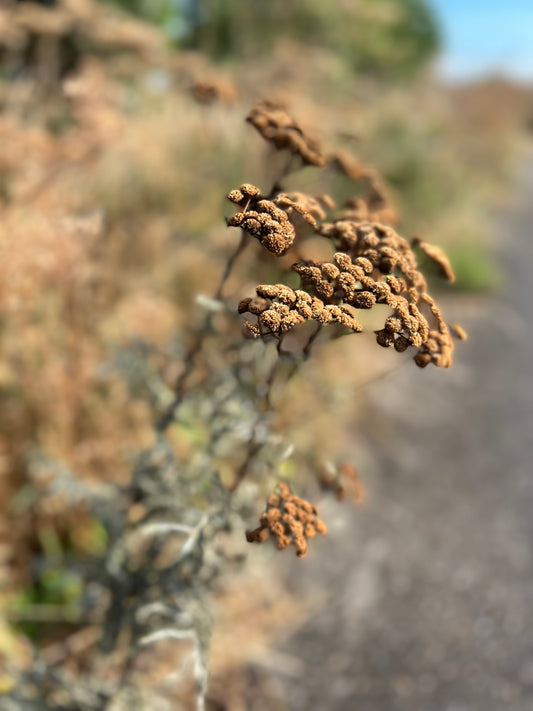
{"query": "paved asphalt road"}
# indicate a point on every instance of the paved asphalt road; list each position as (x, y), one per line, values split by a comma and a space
(431, 593)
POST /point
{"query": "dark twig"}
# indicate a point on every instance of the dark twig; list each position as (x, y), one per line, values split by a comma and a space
(201, 335)
(253, 448)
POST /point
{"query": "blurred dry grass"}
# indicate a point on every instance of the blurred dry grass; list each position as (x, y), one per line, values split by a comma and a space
(111, 207)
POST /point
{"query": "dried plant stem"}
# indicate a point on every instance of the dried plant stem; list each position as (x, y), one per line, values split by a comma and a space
(254, 445)
(306, 352)
(273, 372)
(253, 448)
(201, 335)
(312, 338)
(230, 264)
(277, 187)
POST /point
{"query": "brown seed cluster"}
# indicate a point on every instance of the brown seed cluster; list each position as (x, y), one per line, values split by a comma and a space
(262, 219)
(350, 166)
(383, 272)
(289, 519)
(372, 265)
(458, 331)
(375, 266)
(276, 126)
(395, 281)
(279, 309)
(311, 209)
(353, 282)
(212, 90)
(438, 258)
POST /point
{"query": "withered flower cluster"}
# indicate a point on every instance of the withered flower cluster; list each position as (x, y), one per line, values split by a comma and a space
(213, 89)
(392, 278)
(262, 219)
(289, 519)
(279, 309)
(372, 263)
(276, 126)
(309, 208)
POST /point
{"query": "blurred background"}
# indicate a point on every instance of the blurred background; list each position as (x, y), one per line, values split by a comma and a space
(121, 131)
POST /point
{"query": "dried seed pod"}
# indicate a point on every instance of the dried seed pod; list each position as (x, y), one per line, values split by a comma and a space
(384, 338)
(458, 331)
(350, 166)
(309, 208)
(373, 264)
(250, 330)
(245, 193)
(267, 223)
(363, 300)
(290, 520)
(286, 309)
(276, 126)
(401, 344)
(214, 89)
(438, 258)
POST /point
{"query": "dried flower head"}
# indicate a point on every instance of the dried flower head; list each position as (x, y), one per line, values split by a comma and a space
(376, 266)
(437, 256)
(244, 195)
(458, 332)
(213, 89)
(276, 126)
(309, 208)
(286, 308)
(289, 519)
(351, 167)
(373, 264)
(262, 219)
(404, 288)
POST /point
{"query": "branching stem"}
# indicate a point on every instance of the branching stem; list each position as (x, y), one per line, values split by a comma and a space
(201, 335)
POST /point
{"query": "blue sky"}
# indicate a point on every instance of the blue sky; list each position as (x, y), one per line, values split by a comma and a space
(486, 36)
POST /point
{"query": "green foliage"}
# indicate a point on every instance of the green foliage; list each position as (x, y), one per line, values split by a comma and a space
(168, 14)
(385, 38)
(54, 597)
(475, 270)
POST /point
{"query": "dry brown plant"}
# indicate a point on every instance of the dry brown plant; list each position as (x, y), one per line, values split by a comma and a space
(276, 126)
(209, 90)
(437, 256)
(374, 265)
(262, 219)
(290, 520)
(84, 278)
(282, 309)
